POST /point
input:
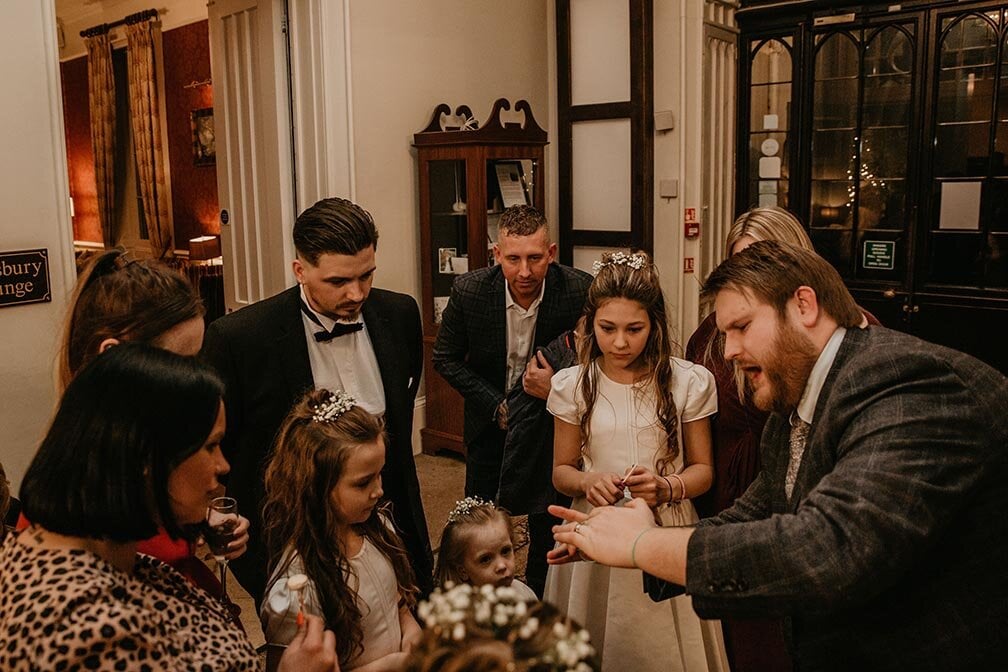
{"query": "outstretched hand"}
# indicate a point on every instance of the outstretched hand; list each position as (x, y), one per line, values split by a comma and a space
(606, 535)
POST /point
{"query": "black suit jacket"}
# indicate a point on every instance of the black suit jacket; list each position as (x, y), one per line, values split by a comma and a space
(261, 353)
(471, 347)
(892, 552)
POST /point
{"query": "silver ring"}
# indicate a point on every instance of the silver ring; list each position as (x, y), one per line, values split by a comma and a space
(577, 528)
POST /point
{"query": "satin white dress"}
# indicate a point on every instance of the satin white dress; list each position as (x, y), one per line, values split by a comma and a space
(629, 631)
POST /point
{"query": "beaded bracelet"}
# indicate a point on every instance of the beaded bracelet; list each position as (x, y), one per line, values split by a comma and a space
(682, 484)
(671, 490)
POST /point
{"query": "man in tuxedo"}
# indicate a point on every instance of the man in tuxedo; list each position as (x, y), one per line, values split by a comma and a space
(332, 330)
(876, 525)
(496, 319)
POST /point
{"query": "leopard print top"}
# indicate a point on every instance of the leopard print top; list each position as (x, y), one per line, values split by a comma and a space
(69, 609)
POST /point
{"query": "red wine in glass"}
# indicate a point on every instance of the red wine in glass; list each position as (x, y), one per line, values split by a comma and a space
(219, 536)
(221, 521)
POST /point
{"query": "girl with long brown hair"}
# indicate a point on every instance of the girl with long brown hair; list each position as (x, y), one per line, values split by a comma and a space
(632, 421)
(322, 519)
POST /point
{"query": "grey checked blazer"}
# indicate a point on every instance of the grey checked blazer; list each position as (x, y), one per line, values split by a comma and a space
(893, 552)
(471, 347)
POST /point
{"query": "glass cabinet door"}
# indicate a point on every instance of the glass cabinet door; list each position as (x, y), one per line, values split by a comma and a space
(509, 182)
(448, 229)
(769, 119)
(968, 233)
(860, 134)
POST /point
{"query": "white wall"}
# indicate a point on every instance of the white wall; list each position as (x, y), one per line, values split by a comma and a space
(34, 198)
(406, 58)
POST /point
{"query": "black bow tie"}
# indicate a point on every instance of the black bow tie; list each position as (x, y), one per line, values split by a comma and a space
(339, 329)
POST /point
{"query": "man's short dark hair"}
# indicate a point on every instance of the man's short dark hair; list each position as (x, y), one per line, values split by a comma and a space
(772, 271)
(333, 226)
(522, 220)
(124, 424)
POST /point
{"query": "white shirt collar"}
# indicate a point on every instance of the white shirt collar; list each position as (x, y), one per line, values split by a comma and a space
(816, 379)
(509, 301)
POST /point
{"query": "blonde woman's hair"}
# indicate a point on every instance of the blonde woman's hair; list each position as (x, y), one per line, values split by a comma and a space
(455, 537)
(771, 223)
(307, 463)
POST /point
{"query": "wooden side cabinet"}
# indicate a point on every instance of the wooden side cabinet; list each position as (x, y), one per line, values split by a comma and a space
(468, 174)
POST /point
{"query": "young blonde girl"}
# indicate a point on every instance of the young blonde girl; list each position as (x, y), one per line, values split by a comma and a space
(322, 519)
(477, 547)
(632, 421)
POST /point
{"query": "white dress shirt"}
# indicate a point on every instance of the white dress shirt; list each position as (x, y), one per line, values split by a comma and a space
(345, 363)
(817, 377)
(521, 325)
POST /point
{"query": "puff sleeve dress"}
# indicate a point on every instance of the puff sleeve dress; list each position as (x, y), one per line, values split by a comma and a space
(627, 629)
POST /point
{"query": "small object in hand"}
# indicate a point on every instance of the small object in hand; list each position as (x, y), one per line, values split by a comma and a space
(297, 584)
(577, 528)
(626, 490)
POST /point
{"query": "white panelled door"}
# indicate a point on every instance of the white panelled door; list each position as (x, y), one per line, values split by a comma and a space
(248, 62)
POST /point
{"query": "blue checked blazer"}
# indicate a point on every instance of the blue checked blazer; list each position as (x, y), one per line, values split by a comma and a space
(471, 347)
(893, 551)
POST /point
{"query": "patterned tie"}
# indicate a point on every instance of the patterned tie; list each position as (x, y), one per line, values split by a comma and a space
(799, 433)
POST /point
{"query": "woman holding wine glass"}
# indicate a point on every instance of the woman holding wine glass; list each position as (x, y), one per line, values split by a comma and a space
(117, 300)
(134, 446)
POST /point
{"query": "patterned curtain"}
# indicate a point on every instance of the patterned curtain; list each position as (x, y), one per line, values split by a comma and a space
(145, 122)
(101, 101)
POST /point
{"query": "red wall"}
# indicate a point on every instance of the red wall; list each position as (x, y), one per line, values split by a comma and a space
(194, 188)
(80, 160)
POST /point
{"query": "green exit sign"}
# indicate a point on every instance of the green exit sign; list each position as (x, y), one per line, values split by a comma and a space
(879, 255)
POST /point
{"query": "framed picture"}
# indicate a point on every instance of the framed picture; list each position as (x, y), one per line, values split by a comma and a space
(511, 180)
(204, 147)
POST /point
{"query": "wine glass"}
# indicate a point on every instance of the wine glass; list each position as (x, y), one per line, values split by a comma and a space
(222, 519)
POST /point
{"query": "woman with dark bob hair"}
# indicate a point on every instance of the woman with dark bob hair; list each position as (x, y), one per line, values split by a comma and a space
(134, 445)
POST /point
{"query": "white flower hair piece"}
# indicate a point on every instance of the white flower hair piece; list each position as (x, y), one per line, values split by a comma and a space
(634, 261)
(337, 404)
(465, 506)
(500, 610)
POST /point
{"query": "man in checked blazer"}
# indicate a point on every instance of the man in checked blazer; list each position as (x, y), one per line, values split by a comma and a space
(331, 330)
(881, 535)
(496, 319)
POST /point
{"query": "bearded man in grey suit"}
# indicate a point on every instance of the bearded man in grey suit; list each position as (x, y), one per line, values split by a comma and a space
(877, 524)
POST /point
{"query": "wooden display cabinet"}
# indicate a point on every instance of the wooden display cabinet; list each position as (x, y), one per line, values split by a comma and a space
(468, 173)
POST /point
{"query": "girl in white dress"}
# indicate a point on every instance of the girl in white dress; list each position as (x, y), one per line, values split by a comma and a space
(632, 421)
(321, 519)
(477, 547)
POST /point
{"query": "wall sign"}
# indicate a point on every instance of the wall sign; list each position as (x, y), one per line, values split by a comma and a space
(24, 277)
(879, 255)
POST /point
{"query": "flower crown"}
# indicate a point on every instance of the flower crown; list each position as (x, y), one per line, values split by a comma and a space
(331, 409)
(464, 507)
(634, 261)
(506, 616)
